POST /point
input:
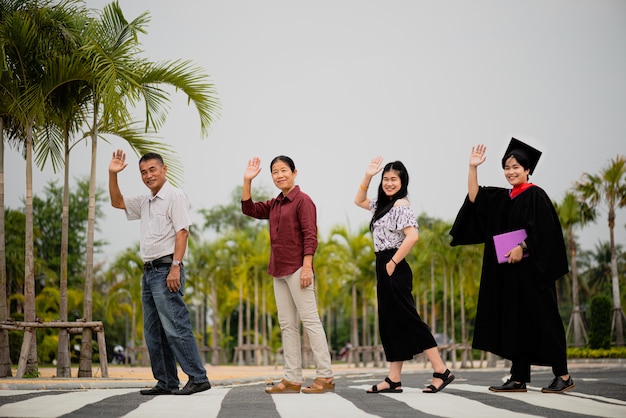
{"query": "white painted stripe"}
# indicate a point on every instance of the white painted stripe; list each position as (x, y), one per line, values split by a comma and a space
(317, 405)
(597, 398)
(561, 402)
(448, 405)
(205, 404)
(48, 406)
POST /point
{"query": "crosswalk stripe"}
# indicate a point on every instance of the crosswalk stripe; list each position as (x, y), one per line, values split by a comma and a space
(453, 402)
(597, 398)
(205, 404)
(566, 403)
(317, 405)
(49, 406)
(447, 405)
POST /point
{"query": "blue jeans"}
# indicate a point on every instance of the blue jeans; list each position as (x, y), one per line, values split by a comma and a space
(167, 330)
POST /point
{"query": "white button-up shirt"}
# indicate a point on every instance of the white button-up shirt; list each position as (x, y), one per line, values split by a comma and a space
(162, 216)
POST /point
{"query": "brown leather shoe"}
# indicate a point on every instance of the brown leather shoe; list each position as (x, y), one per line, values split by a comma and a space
(284, 386)
(320, 385)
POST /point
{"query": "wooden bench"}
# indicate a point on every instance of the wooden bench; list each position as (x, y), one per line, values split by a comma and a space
(29, 329)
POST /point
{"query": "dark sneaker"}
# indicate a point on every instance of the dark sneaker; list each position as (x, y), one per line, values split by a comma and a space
(559, 385)
(509, 386)
(157, 390)
(191, 388)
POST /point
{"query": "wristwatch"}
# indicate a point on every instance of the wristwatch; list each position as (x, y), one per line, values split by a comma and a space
(176, 263)
(524, 247)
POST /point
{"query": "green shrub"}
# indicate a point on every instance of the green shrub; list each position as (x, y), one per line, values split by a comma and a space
(600, 322)
(589, 353)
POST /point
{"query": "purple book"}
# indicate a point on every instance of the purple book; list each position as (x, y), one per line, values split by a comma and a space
(506, 242)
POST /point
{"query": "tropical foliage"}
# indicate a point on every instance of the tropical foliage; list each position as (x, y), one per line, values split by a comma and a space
(69, 76)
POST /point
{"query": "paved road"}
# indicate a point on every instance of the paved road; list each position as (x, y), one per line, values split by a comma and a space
(599, 392)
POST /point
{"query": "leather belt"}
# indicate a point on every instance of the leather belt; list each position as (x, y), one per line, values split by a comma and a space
(161, 261)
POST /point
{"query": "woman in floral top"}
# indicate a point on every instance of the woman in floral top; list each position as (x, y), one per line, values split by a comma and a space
(394, 228)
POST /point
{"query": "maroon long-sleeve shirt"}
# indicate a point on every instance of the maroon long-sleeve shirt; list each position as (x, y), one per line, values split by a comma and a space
(293, 229)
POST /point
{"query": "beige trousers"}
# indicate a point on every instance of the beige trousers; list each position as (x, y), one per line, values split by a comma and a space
(292, 303)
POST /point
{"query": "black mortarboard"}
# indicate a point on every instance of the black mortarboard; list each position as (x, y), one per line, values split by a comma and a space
(525, 151)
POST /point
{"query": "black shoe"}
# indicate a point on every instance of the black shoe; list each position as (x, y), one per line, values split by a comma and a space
(191, 388)
(509, 386)
(559, 385)
(157, 390)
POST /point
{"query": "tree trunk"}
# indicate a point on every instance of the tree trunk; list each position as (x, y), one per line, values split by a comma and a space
(445, 306)
(5, 357)
(433, 323)
(239, 359)
(576, 321)
(463, 328)
(216, 325)
(257, 354)
(618, 313)
(452, 324)
(84, 369)
(264, 341)
(364, 323)
(376, 325)
(248, 336)
(63, 354)
(354, 325)
(31, 367)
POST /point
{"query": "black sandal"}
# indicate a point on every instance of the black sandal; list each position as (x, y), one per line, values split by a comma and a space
(445, 376)
(393, 387)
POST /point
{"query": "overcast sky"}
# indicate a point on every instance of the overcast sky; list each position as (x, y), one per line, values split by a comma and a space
(333, 83)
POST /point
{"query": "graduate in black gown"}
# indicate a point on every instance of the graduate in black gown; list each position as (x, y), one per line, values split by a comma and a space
(517, 314)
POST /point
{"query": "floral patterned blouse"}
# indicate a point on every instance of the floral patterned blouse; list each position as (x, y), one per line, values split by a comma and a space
(388, 231)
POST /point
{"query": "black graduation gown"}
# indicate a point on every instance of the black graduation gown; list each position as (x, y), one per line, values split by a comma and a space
(517, 314)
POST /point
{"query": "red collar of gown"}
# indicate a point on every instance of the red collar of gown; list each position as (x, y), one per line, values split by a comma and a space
(517, 190)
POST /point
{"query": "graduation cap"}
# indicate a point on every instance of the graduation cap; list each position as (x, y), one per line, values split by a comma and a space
(524, 151)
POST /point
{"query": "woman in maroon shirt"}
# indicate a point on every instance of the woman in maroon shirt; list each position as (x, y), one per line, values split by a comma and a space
(293, 241)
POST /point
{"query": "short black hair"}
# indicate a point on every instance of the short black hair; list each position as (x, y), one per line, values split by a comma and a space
(151, 156)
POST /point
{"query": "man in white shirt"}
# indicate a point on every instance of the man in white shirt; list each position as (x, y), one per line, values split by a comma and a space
(164, 215)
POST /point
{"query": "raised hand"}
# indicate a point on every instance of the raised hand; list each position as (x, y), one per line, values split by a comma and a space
(253, 168)
(477, 157)
(118, 162)
(374, 167)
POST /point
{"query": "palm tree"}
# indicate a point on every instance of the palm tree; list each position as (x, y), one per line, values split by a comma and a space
(125, 292)
(30, 31)
(596, 277)
(571, 213)
(200, 273)
(609, 187)
(358, 269)
(5, 358)
(6, 8)
(331, 275)
(66, 115)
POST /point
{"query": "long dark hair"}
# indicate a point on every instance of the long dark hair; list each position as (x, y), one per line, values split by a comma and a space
(384, 203)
